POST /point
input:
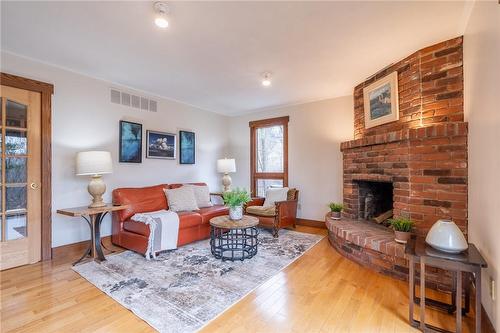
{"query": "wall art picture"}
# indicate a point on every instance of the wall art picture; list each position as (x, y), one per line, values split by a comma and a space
(130, 142)
(381, 101)
(187, 147)
(161, 145)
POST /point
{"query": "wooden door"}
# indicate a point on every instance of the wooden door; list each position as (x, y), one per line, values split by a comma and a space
(20, 203)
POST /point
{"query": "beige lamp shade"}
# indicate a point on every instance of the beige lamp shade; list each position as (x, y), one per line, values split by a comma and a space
(93, 163)
(226, 165)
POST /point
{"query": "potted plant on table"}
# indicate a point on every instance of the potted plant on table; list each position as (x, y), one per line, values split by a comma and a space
(336, 210)
(402, 229)
(235, 200)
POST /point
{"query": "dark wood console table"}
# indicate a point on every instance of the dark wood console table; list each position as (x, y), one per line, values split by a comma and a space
(94, 219)
(469, 261)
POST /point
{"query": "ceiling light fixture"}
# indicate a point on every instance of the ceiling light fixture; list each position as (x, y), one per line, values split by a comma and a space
(162, 10)
(266, 79)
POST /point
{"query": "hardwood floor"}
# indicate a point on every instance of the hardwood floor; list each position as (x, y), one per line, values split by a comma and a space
(320, 292)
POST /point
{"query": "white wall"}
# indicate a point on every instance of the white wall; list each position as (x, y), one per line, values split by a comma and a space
(482, 111)
(84, 119)
(314, 158)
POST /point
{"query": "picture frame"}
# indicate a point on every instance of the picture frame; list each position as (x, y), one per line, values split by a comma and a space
(130, 142)
(161, 145)
(381, 101)
(187, 147)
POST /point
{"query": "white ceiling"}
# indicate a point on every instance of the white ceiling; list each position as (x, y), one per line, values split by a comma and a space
(213, 53)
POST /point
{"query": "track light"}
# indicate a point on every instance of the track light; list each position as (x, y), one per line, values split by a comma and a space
(162, 10)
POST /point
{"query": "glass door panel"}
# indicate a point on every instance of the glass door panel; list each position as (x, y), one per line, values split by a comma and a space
(16, 142)
(14, 170)
(16, 114)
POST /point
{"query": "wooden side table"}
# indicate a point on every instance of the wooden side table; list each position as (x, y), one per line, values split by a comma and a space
(469, 261)
(93, 217)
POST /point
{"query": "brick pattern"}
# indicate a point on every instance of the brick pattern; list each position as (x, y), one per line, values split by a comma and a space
(427, 166)
(355, 240)
(430, 83)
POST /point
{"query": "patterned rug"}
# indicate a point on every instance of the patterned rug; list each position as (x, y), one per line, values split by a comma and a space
(186, 288)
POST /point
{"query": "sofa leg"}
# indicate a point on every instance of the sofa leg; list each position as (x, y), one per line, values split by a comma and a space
(275, 232)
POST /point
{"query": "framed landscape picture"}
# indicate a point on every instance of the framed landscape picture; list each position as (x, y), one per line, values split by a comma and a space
(130, 149)
(187, 147)
(161, 145)
(381, 101)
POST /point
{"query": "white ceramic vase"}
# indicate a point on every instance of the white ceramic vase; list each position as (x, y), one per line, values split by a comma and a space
(447, 237)
(236, 213)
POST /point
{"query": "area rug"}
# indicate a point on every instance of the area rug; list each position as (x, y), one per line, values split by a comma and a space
(186, 288)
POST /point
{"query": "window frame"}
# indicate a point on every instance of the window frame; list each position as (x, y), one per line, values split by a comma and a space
(254, 175)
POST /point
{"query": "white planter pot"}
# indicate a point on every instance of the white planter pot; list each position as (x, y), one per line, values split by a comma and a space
(447, 237)
(336, 215)
(236, 213)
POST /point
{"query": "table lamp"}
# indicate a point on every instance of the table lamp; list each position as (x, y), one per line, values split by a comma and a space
(226, 166)
(94, 164)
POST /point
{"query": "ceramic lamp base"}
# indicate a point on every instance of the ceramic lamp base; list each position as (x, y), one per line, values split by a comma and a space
(96, 189)
(226, 182)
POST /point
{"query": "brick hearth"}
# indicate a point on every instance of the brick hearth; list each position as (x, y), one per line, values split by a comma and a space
(373, 246)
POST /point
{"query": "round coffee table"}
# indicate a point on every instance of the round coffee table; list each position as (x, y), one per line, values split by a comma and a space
(233, 240)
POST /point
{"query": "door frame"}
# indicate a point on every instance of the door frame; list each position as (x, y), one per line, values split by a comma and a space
(46, 90)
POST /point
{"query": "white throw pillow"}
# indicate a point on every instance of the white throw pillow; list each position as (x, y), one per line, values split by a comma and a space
(181, 199)
(201, 194)
(275, 194)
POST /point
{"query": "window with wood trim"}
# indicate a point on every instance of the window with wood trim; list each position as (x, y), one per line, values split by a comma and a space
(269, 154)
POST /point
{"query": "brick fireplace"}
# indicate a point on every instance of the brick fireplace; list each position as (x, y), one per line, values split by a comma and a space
(426, 166)
(417, 165)
(424, 153)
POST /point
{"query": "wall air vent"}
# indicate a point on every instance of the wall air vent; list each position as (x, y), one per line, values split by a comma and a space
(133, 101)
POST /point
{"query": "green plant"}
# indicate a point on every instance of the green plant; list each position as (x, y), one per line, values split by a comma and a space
(236, 197)
(336, 207)
(401, 224)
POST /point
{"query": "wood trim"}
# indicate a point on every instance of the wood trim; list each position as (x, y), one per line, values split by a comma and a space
(27, 84)
(254, 175)
(46, 90)
(78, 248)
(311, 223)
(269, 122)
(486, 322)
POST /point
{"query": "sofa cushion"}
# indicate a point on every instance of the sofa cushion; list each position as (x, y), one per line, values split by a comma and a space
(261, 210)
(139, 200)
(209, 212)
(136, 227)
(186, 220)
(275, 194)
(201, 194)
(189, 219)
(181, 199)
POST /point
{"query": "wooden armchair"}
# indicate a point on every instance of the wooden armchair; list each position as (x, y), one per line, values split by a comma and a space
(282, 215)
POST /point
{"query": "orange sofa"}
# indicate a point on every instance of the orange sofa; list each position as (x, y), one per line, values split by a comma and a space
(134, 235)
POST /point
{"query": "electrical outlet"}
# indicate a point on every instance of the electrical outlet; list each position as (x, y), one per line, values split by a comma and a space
(492, 288)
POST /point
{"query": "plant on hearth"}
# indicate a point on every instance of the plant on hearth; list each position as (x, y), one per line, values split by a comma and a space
(336, 209)
(235, 200)
(402, 228)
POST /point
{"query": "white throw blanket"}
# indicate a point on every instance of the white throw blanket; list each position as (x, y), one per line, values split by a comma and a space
(164, 230)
